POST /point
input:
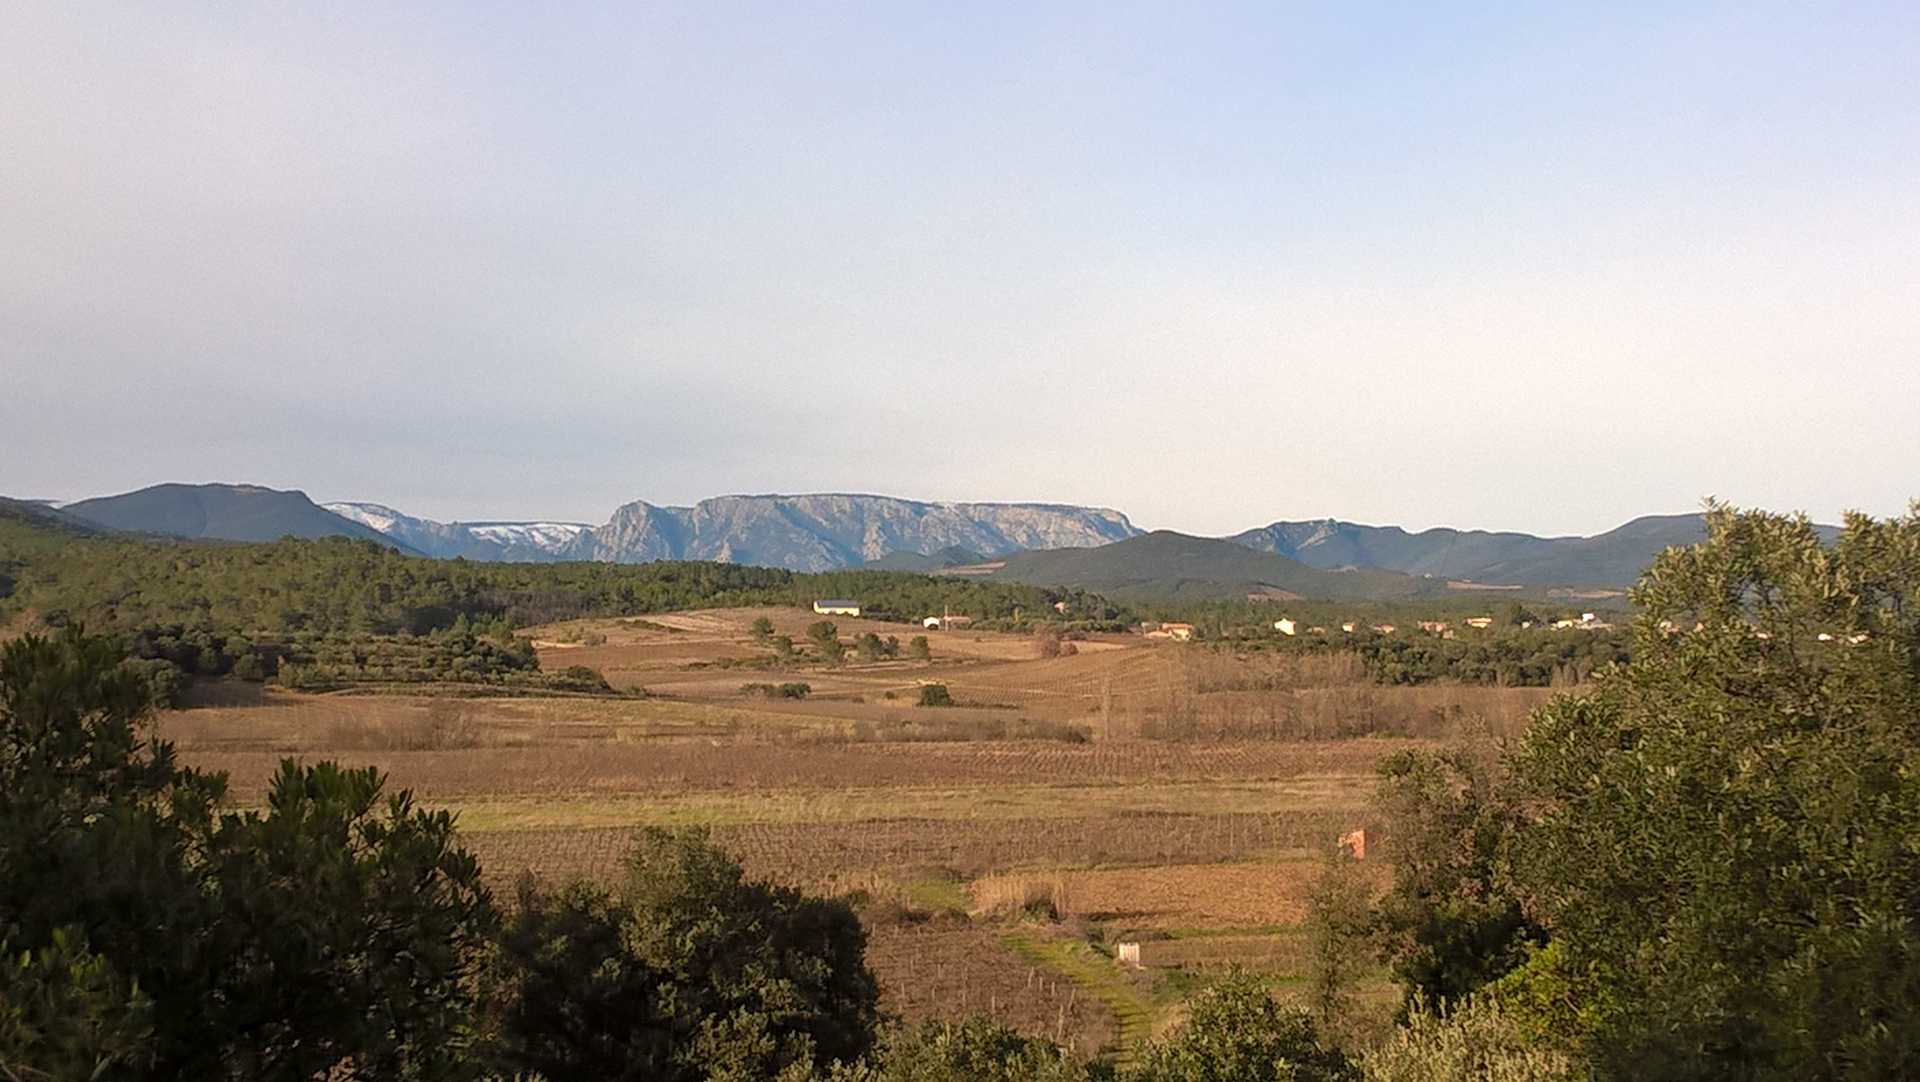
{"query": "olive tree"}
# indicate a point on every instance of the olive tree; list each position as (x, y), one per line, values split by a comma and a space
(1725, 834)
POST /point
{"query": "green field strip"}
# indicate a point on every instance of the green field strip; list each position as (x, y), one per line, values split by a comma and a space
(1098, 976)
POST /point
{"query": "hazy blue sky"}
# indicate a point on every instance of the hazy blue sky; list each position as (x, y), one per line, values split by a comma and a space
(1506, 267)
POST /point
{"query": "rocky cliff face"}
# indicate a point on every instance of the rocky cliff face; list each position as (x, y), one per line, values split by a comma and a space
(821, 532)
(802, 533)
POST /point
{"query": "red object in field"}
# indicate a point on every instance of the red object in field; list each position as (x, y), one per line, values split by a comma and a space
(1355, 842)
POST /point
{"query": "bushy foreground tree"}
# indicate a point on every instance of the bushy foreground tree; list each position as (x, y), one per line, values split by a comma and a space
(1473, 1040)
(1708, 866)
(1727, 841)
(976, 1050)
(149, 934)
(1236, 1032)
(688, 972)
(1452, 921)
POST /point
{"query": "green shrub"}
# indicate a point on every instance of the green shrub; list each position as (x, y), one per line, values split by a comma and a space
(1235, 1032)
(688, 972)
(1476, 1041)
(152, 931)
(163, 680)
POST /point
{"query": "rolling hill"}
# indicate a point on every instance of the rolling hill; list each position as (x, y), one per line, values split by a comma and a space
(1615, 558)
(221, 512)
(1172, 566)
(42, 513)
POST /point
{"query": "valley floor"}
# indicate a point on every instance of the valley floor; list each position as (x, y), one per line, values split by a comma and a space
(1157, 794)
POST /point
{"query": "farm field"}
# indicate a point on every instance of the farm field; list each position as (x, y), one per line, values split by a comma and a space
(1125, 791)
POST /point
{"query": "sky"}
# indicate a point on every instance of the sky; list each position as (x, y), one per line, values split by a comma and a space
(1535, 267)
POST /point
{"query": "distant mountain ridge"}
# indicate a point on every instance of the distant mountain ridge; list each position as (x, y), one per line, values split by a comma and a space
(1168, 565)
(801, 533)
(827, 531)
(221, 512)
(824, 531)
(1614, 558)
(522, 542)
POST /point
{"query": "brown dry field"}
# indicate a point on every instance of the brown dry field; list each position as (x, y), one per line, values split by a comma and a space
(1189, 807)
(949, 968)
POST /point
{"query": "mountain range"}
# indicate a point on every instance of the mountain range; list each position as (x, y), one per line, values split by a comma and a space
(1030, 542)
(1164, 565)
(801, 533)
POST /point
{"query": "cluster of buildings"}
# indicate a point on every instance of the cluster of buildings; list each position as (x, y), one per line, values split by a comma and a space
(1588, 621)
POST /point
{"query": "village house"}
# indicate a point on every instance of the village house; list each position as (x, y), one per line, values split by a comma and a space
(1285, 626)
(1437, 627)
(949, 622)
(1480, 622)
(837, 606)
(1349, 627)
(1384, 629)
(1176, 632)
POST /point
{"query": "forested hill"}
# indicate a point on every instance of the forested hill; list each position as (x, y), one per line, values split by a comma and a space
(343, 586)
(230, 512)
(1614, 558)
(1164, 566)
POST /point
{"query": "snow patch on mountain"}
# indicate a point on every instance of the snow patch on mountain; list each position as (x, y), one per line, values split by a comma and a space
(546, 535)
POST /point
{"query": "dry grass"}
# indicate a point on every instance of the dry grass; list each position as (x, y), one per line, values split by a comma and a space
(1020, 895)
(1200, 895)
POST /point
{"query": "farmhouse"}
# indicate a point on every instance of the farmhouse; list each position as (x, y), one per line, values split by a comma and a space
(935, 623)
(837, 606)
